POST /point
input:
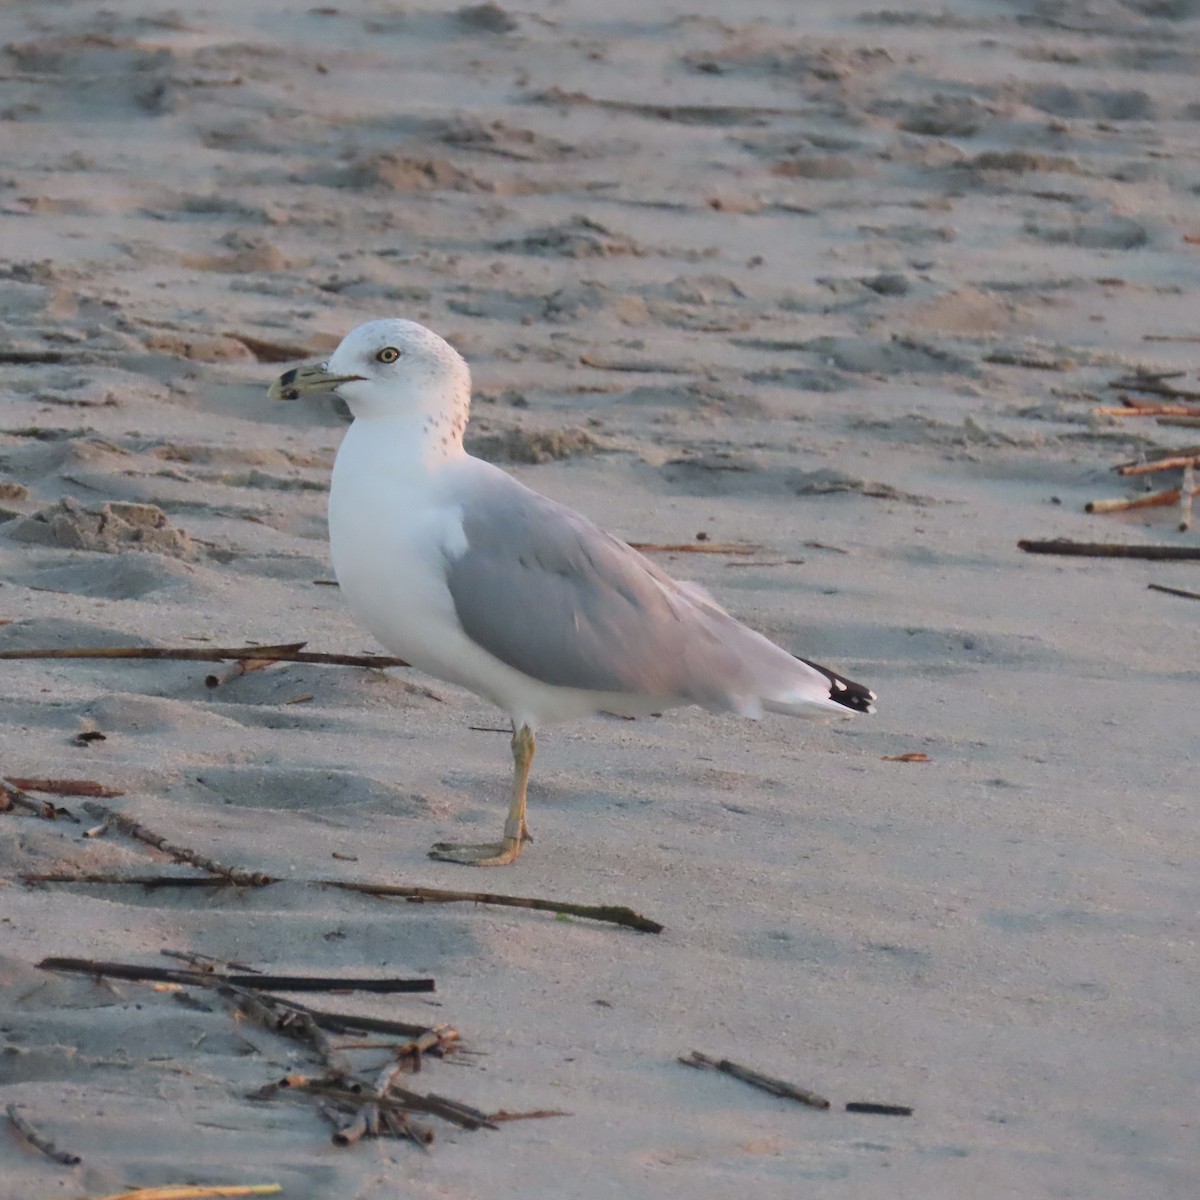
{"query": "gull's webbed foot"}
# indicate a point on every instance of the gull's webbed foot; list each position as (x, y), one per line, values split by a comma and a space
(487, 854)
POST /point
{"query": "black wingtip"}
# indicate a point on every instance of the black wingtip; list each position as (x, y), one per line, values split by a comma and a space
(843, 691)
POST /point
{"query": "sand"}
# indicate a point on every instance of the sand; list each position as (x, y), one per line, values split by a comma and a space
(842, 282)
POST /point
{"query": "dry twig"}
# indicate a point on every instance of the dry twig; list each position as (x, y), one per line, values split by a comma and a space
(1111, 550)
(258, 981)
(133, 829)
(1161, 587)
(767, 1083)
(697, 547)
(617, 914)
(286, 652)
(39, 1140)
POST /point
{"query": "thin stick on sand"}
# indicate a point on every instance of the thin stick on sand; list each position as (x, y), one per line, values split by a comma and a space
(696, 547)
(767, 1083)
(39, 1140)
(1158, 464)
(286, 652)
(1112, 550)
(134, 829)
(617, 914)
(1187, 493)
(257, 981)
(188, 1191)
(614, 914)
(1154, 383)
(1171, 591)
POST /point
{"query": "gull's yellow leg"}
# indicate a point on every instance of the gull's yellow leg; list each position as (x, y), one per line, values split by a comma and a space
(516, 832)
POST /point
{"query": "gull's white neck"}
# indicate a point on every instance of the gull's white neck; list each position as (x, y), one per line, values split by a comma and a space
(420, 430)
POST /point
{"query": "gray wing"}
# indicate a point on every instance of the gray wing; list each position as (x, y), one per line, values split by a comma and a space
(548, 592)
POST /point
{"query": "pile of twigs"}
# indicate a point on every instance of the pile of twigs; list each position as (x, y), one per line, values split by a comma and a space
(358, 1101)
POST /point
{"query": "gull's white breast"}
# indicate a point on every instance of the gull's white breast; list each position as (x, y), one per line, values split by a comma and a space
(394, 523)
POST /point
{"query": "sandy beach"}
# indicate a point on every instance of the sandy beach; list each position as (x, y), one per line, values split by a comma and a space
(827, 294)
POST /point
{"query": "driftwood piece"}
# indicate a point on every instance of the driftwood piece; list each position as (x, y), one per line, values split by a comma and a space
(285, 652)
(880, 1110)
(39, 1140)
(1111, 550)
(767, 1083)
(1187, 493)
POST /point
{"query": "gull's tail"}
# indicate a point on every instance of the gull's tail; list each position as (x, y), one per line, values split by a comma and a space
(821, 692)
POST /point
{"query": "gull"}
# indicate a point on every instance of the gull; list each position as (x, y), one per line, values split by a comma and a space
(471, 577)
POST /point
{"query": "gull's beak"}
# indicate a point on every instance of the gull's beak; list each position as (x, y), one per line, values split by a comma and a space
(291, 385)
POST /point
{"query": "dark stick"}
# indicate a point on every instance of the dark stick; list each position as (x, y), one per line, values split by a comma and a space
(266, 983)
(133, 829)
(615, 913)
(1162, 587)
(1112, 550)
(696, 547)
(880, 1110)
(1155, 385)
(287, 652)
(43, 1143)
(777, 1087)
(536, 1115)
(146, 881)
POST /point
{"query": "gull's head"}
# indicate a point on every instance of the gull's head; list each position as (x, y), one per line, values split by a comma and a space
(389, 368)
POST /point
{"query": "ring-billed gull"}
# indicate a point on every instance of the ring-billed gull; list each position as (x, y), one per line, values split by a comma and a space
(472, 577)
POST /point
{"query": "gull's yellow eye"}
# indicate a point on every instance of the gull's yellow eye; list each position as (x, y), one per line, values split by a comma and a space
(388, 354)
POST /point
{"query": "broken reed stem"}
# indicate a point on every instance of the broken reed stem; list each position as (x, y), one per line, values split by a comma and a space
(1148, 410)
(286, 652)
(1128, 504)
(1158, 464)
(39, 1140)
(767, 1083)
(614, 913)
(133, 829)
(1111, 550)
(1187, 493)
